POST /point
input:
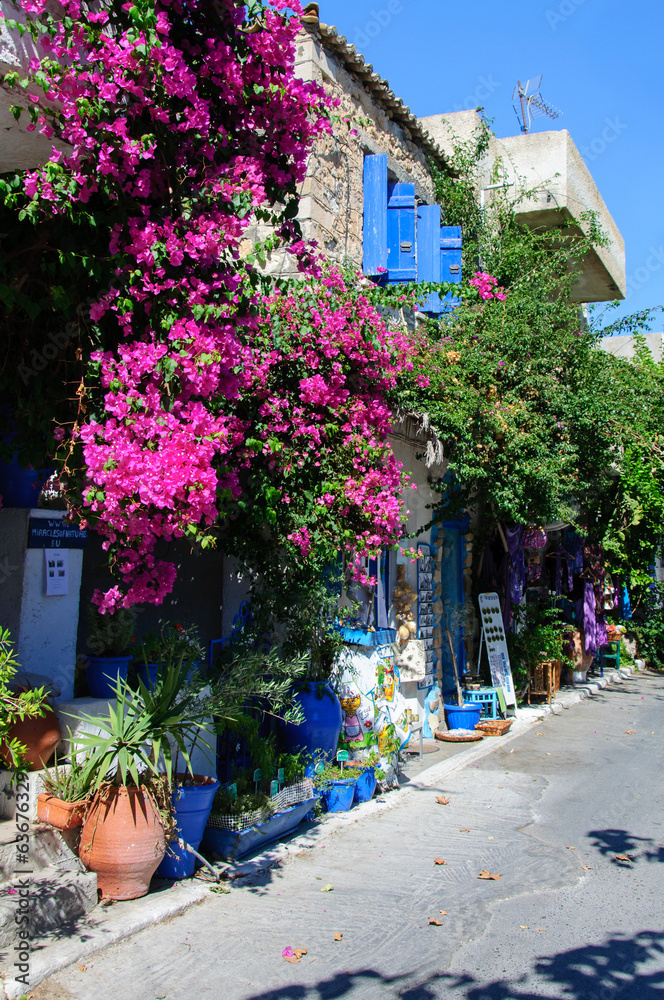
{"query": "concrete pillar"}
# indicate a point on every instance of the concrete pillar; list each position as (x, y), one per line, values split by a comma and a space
(43, 628)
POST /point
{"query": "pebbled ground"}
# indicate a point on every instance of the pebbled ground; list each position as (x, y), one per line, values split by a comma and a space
(548, 813)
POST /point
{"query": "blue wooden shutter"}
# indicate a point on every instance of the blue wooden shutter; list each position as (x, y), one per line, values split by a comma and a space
(450, 261)
(375, 214)
(401, 260)
(428, 253)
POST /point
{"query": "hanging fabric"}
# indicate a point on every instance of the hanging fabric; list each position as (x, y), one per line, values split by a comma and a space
(514, 538)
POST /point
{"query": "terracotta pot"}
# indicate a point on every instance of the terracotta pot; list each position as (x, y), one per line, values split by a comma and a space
(60, 814)
(40, 736)
(123, 842)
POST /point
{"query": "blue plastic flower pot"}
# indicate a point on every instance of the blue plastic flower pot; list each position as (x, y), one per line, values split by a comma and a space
(338, 795)
(21, 487)
(191, 805)
(149, 673)
(103, 671)
(321, 727)
(365, 785)
(463, 716)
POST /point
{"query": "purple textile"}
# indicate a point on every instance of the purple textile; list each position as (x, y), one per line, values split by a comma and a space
(589, 619)
(505, 573)
(559, 572)
(574, 547)
(514, 537)
(534, 538)
(601, 635)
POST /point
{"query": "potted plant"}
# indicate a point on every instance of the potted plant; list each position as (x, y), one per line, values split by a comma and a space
(172, 640)
(247, 814)
(302, 617)
(66, 796)
(337, 787)
(368, 774)
(110, 638)
(130, 772)
(29, 729)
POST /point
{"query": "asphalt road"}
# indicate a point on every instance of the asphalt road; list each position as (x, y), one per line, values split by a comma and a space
(570, 816)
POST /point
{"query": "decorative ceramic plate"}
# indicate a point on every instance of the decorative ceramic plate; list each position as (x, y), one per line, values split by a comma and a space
(459, 736)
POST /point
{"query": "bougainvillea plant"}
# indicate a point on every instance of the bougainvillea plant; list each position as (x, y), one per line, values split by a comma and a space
(195, 395)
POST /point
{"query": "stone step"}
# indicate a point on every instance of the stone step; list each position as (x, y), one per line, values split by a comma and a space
(51, 900)
(45, 848)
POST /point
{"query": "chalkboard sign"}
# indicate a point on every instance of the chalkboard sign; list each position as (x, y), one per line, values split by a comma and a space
(53, 533)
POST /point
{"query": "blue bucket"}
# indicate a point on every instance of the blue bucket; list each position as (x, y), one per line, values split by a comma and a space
(102, 673)
(463, 716)
(338, 795)
(191, 804)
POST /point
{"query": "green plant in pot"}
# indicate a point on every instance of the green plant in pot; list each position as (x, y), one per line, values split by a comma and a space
(110, 637)
(172, 641)
(129, 768)
(66, 795)
(300, 619)
(29, 730)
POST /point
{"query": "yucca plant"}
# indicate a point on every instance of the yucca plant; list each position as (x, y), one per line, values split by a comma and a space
(136, 740)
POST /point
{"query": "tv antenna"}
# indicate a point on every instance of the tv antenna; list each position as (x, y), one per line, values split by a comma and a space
(531, 104)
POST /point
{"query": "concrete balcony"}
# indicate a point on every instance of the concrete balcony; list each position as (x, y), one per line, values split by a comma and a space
(549, 167)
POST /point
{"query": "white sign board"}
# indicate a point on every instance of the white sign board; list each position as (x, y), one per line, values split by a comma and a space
(56, 565)
(496, 646)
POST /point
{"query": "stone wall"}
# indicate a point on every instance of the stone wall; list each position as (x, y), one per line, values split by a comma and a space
(331, 208)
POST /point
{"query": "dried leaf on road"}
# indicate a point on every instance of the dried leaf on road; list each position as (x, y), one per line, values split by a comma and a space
(83, 968)
(464, 829)
(439, 861)
(338, 936)
(443, 799)
(622, 857)
(587, 868)
(571, 848)
(293, 955)
(541, 929)
(524, 927)
(629, 732)
(487, 875)
(539, 734)
(435, 921)
(327, 888)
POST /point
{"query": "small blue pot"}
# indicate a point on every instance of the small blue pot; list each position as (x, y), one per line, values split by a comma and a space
(463, 716)
(365, 785)
(191, 805)
(103, 671)
(338, 795)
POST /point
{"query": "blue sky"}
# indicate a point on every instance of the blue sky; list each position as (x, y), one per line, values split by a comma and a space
(601, 62)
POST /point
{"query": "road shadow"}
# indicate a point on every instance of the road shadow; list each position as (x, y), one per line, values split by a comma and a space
(613, 842)
(612, 970)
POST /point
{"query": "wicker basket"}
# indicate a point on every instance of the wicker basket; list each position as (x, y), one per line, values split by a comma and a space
(495, 727)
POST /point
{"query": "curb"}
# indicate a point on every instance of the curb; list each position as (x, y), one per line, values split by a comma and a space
(111, 927)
